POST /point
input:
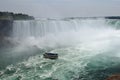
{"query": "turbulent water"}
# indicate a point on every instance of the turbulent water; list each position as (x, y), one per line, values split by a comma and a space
(88, 49)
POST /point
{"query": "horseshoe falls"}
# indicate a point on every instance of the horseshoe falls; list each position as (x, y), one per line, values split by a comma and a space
(88, 49)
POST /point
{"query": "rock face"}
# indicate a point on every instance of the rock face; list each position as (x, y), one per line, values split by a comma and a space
(114, 77)
(5, 27)
(50, 55)
(5, 31)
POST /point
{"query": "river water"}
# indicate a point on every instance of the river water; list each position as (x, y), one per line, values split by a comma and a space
(88, 49)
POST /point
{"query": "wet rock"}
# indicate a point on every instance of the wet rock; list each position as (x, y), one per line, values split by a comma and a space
(114, 77)
(50, 55)
(5, 26)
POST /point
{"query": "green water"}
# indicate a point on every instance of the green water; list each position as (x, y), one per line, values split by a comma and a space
(74, 63)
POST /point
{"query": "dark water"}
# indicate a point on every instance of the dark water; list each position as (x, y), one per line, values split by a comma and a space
(10, 56)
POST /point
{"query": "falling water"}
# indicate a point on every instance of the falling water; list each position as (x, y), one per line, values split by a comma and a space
(59, 32)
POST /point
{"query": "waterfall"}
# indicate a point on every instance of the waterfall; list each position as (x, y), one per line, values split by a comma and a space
(37, 28)
(40, 28)
(59, 32)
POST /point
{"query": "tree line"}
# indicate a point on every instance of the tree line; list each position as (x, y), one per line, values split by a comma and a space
(15, 16)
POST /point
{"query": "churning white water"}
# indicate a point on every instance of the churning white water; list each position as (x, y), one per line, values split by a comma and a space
(88, 49)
